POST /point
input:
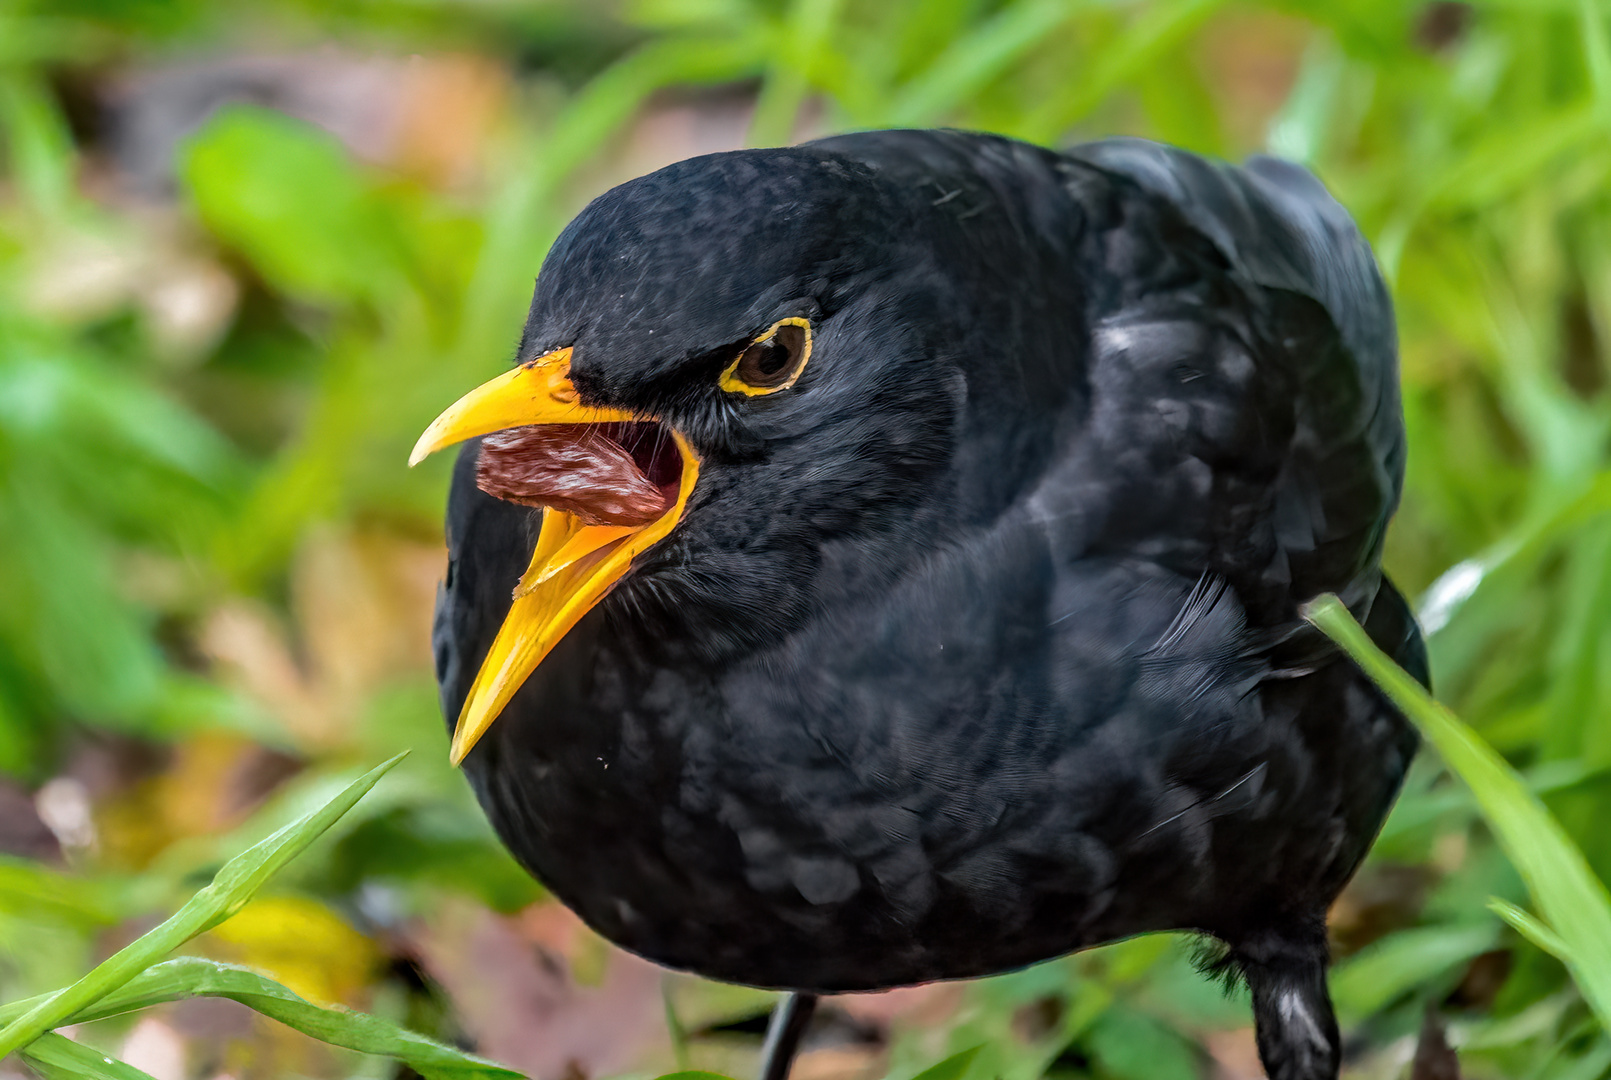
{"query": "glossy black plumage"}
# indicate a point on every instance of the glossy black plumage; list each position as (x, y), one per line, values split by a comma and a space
(980, 644)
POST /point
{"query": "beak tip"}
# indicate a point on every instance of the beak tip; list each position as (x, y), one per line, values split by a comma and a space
(422, 449)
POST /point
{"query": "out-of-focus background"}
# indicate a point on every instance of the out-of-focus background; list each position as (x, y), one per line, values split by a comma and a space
(248, 250)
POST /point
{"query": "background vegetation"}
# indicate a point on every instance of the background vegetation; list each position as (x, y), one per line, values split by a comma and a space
(248, 250)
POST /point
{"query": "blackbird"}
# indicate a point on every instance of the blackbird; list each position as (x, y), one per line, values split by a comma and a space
(884, 565)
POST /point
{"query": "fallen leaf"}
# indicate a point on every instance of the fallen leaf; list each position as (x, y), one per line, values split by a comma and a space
(518, 1001)
(302, 944)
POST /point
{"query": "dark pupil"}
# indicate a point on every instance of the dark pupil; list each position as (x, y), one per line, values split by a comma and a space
(770, 363)
(770, 356)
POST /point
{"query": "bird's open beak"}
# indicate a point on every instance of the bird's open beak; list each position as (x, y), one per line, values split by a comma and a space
(575, 563)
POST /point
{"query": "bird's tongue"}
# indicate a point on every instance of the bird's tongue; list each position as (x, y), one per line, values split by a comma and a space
(592, 471)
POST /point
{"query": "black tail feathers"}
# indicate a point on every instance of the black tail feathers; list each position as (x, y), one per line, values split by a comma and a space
(1292, 1015)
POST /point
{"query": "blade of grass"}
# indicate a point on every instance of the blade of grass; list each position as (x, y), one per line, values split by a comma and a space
(190, 976)
(801, 38)
(1499, 166)
(675, 1028)
(972, 61)
(56, 1056)
(26, 886)
(1597, 54)
(1156, 31)
(228, 892)
(1386, 970)
(951, 1068)
(39, 145)
(1300, 128)
(1528, 927)
(602, 107)
(1573, 902)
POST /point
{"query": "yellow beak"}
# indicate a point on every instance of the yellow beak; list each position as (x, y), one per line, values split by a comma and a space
(575, 564)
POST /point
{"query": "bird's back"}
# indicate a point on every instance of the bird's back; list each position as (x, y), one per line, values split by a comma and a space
(1282, 231)
(1231, 386)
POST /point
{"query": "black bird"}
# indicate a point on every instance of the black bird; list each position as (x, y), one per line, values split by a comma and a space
(915, 596)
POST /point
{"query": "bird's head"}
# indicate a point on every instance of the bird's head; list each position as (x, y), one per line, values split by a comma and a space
(713, 337)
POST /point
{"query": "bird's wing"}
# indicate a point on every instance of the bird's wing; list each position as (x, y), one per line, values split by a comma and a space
(1280, 227)
(1280, 230)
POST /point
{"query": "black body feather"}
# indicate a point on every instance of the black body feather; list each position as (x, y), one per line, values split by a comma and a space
(981, 644)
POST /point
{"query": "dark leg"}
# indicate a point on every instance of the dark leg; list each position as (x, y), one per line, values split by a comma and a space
(1292, 1017)
(790, 1019)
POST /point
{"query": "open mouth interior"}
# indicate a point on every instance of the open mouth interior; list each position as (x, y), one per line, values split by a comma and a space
(611, 487)
(623, 473)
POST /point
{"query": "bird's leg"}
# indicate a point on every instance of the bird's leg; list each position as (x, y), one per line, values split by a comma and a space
(790, 1018)
(1292, 1014)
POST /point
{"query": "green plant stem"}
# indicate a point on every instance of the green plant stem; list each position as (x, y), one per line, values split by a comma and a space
(228, 892)
(1575, 906)
(57, 1057)
(190, 976)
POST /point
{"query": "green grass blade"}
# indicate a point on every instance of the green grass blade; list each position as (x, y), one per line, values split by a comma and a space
(801, 40)
(228, 892)
(1597, 53)
(1498, 166)
(187, 977)
(1299, 130)
(972, 61)
(191, 976)
(56, 1057)
(1387, 970)
(605, 104)
(1154, 32)
(1529, 927)
(38, 143)
(1416, 811)
(1572, 901)
(951, 1068)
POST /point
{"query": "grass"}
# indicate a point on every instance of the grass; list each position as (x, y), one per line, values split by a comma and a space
(1576, 924)
(136, 977)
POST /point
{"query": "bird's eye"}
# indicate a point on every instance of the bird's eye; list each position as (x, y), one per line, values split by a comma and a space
(771, 362)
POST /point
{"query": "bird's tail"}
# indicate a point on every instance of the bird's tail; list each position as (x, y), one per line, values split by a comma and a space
(1292, 1015)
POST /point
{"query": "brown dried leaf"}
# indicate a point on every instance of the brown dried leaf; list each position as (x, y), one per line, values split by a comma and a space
(362, 604)
(517, 1000)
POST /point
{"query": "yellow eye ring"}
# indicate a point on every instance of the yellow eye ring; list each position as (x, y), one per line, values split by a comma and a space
(771, 362)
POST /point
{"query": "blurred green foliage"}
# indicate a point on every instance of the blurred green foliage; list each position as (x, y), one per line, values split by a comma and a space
(136, 977)
(215, 569)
